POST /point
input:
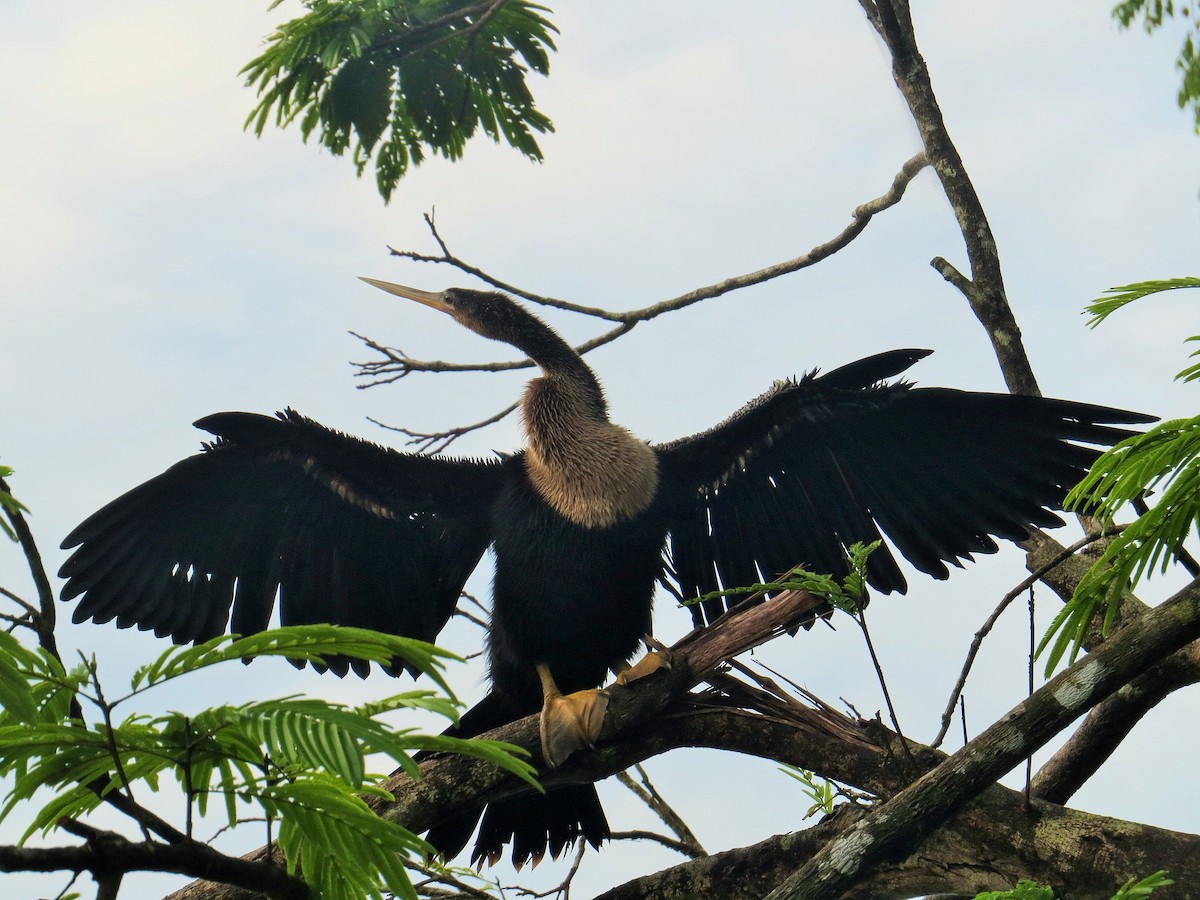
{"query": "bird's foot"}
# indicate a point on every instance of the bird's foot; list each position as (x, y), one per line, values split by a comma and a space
(571, 722)
(656, 658)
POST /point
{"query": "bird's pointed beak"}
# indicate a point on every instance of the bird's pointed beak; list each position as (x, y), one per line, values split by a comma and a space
(410, 293)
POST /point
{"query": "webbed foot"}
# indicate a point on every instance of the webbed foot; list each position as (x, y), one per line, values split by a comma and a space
(569, 722)
(656, 658)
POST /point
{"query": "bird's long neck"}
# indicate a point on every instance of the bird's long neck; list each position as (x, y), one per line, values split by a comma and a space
(591, 471)
(577, 386)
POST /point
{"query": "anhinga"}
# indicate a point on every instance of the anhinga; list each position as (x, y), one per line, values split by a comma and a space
(584, 522)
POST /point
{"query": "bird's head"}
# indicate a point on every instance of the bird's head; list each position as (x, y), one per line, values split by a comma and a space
(487, 313)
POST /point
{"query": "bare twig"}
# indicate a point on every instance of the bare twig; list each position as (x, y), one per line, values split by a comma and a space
(686, 842)
(448, 258)
(564, 887)
(29, 608)
(861, 618)
(437, 441)
(986, 628)
(669, 842)
(861, 216)
(394, 364)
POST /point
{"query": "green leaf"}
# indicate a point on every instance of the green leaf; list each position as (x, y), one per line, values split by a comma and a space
(1143, 888)
(311, 643)
(1025, 890)
(347, 852)
(1118, 297)
(1167, 458)
(820, 790)
(396, 78)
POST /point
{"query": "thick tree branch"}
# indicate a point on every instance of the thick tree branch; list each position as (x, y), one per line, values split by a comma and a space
(895, 829)
(989, 846)
(1109, 723)
(449, 784)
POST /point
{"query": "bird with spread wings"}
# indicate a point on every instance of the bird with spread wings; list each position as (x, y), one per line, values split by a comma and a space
(584, 522)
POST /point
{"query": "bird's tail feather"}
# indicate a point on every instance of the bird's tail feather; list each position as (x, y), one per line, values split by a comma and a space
(534, 823)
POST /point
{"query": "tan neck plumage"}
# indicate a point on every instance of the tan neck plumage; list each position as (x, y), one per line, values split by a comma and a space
(591, 471)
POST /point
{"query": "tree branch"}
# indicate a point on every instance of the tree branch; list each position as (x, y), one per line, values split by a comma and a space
(989, 846)
(893, 830)
(107, 853)
(1109, 723)
(395, 364)
(43, 618)
(984, 291)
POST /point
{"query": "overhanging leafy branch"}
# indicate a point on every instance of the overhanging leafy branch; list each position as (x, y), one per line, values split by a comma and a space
(394, 79)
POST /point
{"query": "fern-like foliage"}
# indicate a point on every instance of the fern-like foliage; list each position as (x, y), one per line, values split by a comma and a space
(821, 791)
(397, 78)
(299, 761)
(1164, 460)
(847, 594)
(1117, 297)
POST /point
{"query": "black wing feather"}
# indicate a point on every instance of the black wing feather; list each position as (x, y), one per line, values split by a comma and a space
(341, 530)
(815, 465)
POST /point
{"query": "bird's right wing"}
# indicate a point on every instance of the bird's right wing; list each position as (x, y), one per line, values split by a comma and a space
(343, 531)
(816, 465)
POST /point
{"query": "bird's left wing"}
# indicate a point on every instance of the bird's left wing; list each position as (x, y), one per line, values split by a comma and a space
(815, 465)
(342, 530)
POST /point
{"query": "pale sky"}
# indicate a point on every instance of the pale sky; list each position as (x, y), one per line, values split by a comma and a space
(161, 264)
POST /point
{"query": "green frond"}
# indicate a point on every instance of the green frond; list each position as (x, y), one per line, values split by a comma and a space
(312, 643)
(1117, 297)
(298, 760)
(845, 595)
(1136, 888)
(1166, 458)
(394, 78)
(346, 851)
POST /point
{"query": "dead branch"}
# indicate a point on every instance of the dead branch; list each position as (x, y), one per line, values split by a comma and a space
(394, 364)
